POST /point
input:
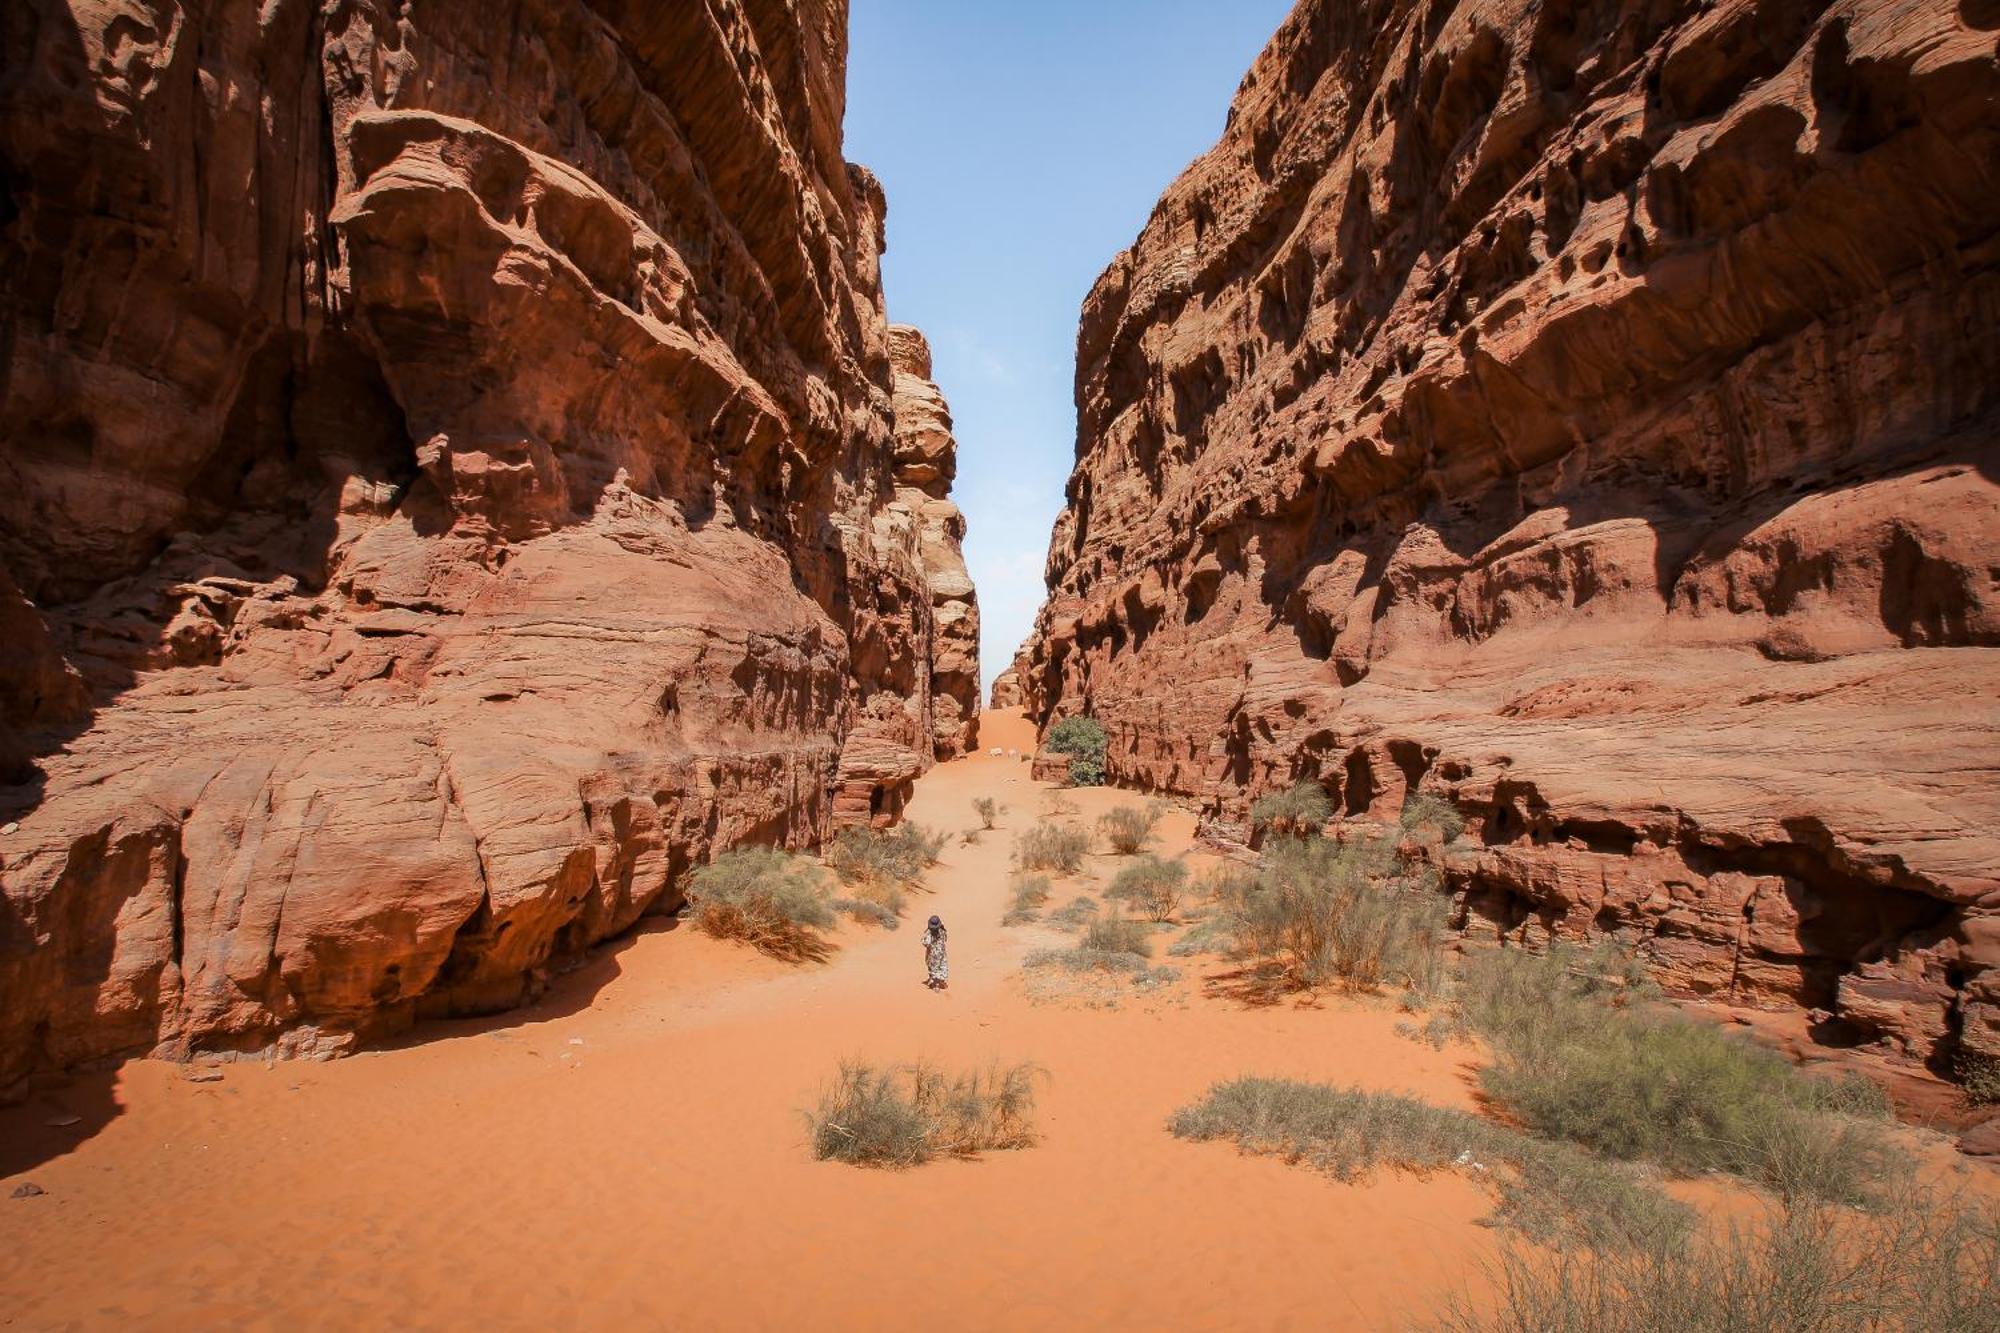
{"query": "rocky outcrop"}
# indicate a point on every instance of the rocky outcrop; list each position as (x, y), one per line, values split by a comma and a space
(1007, 690)
(1588, 412)
(449, 483)
(926, 464)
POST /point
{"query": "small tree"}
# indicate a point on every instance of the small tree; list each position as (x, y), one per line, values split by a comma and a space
(1152, 886)
(1082, 739)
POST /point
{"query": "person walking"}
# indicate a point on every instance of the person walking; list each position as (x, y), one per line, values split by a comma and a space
(937, 969)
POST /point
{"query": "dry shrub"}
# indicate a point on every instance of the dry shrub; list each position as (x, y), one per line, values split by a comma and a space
(1117, 934)
(768, 899)
(1049, 846)
(988, 810)
(907, 1115)
(1031, 893)
(1922, 1263)
(1301, 811)
(1128, 828)
(1152, 886)
(1580, 1054)
(1423, 811)
(883, 866)
(1075, 913)
(868, 913)
(1350, 912)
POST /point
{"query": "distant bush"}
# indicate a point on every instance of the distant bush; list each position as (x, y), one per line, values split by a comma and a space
(1299, 811)
(768, 899)
(1422, 811)
(1128, 828)
(1579, 1056)
(1078, 910)
(1152, 886)
(1083, 740)
(1920, 1263)
(1117, 934)
(1049, 846)
(988, 811)
(1208, 937)
(1224, 884)
(1348, 912)
(1030, 893)
(906, 1116)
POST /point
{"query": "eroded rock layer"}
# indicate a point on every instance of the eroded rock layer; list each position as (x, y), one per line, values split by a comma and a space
(1587, 411)
(449, 483)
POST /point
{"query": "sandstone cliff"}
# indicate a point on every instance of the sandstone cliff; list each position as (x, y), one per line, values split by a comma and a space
(1588, 411)
(449, 482)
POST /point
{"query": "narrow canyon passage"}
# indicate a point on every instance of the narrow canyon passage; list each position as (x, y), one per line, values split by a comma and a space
(630, 1151)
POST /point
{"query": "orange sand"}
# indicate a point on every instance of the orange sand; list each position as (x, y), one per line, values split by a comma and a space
(631, 1153)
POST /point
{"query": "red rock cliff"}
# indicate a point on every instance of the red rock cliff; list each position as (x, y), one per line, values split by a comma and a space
(1586, 411)
(444, 461)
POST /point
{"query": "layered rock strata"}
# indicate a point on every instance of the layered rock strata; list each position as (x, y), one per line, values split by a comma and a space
(1588, 412)
(449, 484)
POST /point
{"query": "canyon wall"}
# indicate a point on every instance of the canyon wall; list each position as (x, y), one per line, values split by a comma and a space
(1587, 411)
(450, 482)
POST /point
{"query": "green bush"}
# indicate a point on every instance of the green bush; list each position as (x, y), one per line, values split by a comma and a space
(1083, 740)
(1049, 846)
(1152, 886)
(1579, 1056)
(1922, 1263)
(906, 1116)
(766, 898)
(1347, 912)
(988, 811)
(1116, 934)
(1300, 811)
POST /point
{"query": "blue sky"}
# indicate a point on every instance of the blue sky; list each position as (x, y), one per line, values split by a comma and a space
(1022, 146)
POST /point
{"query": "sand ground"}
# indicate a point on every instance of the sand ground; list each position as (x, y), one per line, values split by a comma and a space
(631, 1153)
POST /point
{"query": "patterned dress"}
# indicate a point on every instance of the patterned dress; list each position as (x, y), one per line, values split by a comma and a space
(934, 959)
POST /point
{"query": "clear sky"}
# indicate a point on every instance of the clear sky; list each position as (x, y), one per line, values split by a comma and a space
(1022, 145)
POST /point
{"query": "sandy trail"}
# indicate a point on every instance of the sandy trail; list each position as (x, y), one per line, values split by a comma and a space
(631, 1152)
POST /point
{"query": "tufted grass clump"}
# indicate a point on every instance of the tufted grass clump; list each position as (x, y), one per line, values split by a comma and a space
(770, 900)
(1050, 846)
(1300, 811)
(909, 1114)
(1581, 1055)
(1129, 827)
(1031, 894)
(1350, 912)
(1421, 811)
(1920, 1261)
(867, 913)
(1117, 934)
(1549, 1191)
(1154, 887)
(1075, 913)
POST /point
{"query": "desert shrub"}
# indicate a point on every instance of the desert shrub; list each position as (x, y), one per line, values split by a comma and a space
(1208, 937)
(1919, 1263)
(905, 1116)
(1424, 811)
(1224, 884)
(1580, 1056)
(988, 811)
(1152, 886)
(1031, 893)
(1550, 1191)
(1981, 1076)
(1088, 960)
(1078, 910)
(1117, 934)
(1299, 811)
(768, 899)
(868, 913)
(884, 864)
(1049, 846)
(1082, 739)
(1128, 828)
(1348, 912)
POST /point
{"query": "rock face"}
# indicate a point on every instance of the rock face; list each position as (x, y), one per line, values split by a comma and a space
(449, 482)
(1588, 412)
